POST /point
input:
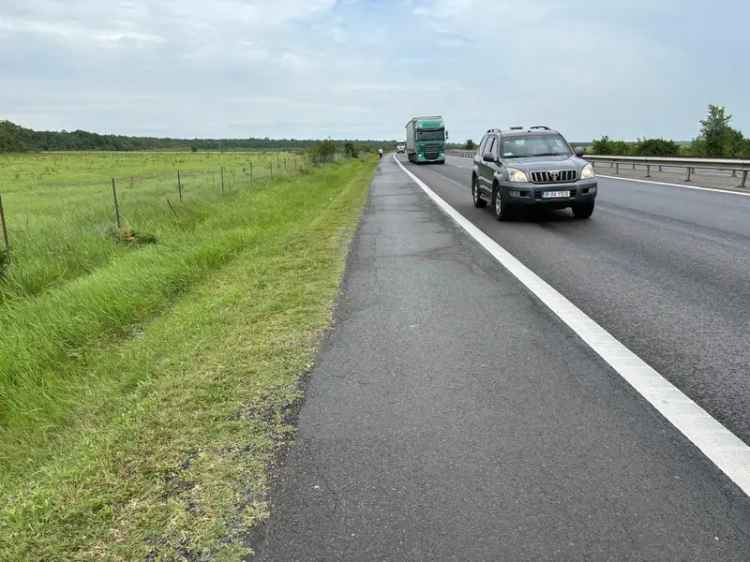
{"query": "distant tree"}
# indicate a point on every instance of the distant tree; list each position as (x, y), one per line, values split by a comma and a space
(470, 145)
(715, 131)
(193, 148)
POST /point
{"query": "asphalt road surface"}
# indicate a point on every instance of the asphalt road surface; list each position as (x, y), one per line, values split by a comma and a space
(666, 270)
(451, 416)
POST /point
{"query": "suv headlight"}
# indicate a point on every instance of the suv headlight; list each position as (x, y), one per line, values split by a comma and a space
(587, 172)
(517, 176)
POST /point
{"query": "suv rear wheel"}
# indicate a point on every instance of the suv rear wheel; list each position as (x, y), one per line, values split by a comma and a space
(478, 201)
(499, 204)
(583, 211)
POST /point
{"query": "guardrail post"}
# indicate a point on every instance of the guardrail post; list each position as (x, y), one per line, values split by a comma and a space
(690, 173)
(743, 184)
(660, 168)
(634, 165)
(648, 170)
(617, 168)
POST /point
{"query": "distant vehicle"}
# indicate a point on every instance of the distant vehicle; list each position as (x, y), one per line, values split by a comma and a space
(425, 139)
(534, 167)
(400, 148)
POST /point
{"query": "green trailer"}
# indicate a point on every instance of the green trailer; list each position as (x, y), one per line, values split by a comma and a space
(425, 139)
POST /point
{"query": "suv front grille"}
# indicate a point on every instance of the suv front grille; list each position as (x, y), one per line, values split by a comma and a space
(557, 176)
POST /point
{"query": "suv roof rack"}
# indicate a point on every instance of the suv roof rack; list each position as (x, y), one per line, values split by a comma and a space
(543, 127)
(493, 130)
(517, 128)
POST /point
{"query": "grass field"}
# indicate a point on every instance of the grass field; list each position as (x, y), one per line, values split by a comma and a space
(144, 389)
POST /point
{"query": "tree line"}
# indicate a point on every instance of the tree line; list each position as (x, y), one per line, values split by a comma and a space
(14, 138)
(717, 139)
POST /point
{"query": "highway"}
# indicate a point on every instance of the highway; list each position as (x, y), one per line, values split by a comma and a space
(452, 416)
(666, 270)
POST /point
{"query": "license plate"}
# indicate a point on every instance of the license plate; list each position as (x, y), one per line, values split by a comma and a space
(555, 194)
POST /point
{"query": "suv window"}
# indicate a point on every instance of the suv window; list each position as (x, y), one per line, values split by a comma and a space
(531, 145)
(483, 144)
(491, 146)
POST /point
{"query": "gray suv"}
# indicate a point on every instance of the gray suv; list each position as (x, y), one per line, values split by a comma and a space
(534, 167)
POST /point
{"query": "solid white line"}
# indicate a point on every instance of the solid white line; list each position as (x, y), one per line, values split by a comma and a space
(695, 187)
(719, 444)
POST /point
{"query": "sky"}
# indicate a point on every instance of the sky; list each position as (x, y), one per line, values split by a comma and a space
(362, 68)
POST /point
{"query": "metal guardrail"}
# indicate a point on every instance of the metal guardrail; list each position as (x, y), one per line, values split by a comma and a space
(688, 164)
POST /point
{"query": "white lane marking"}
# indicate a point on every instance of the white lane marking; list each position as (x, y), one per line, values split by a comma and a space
(720, 445)
(695, 187)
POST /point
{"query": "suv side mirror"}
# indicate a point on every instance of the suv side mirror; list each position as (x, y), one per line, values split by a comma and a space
(488, 157)
(579, 151)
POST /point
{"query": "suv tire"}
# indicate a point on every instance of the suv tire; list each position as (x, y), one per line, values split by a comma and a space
(583, 211)
(479, 203)
(499, 204)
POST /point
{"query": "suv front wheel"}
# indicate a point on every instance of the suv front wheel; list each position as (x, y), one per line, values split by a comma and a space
(500, 204)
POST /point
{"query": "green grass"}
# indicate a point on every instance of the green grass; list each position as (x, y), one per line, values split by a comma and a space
(142, 400)
(59, 206)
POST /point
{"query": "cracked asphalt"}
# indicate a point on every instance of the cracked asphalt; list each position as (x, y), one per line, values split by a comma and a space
(450, 416)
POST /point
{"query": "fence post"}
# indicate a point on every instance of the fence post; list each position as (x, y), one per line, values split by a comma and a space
(251, 172)
(617, 168)
(743, 184)
(222, 179)
(117, 205)
(5, 227)
(271, 163)
(690, 173)
(648, 170)
(179, 185)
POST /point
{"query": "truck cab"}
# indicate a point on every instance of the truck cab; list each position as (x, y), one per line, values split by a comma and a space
(425, 139)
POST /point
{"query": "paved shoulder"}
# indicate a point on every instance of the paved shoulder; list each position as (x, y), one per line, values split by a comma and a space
(451, 417)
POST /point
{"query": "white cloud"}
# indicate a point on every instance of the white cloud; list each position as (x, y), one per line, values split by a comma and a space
(321, 67)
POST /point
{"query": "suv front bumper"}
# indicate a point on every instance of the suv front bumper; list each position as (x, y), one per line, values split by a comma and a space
(531, 194)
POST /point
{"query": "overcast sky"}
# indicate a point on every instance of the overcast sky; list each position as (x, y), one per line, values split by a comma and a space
(361, 68)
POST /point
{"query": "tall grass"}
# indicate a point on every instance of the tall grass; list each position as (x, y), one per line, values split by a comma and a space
(144, 402)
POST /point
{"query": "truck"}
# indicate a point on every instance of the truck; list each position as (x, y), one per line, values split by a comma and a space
(425, 139)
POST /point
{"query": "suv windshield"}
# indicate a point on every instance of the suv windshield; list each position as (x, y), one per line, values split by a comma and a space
(431, 134)
(528, 146)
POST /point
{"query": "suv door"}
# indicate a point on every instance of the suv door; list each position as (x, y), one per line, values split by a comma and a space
(487, 169)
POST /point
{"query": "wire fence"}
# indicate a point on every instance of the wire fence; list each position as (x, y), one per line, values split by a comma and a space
(51, 233)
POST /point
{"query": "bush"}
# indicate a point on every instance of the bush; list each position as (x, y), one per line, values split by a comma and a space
(323, 151)
(656, 147)
(470, 145)
(605, 146)
(350, 150)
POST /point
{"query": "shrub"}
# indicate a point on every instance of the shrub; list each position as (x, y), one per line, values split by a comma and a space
(470, 145)
(656, 147)
(323, 151)
(350, 150)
